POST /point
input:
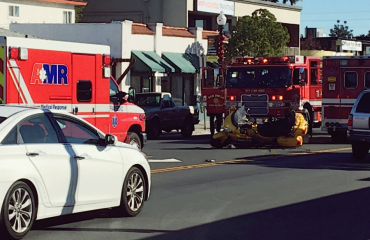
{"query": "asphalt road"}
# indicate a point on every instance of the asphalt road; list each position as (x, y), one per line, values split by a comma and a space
(310, 193)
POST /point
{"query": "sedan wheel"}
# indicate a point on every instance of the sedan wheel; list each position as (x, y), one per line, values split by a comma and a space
(133, 194)
(18, 211)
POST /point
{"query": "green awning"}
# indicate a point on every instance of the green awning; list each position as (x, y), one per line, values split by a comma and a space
(150, 61)
(213, 65)
(182, 62)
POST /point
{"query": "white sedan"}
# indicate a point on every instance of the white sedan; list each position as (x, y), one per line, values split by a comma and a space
(53, 163)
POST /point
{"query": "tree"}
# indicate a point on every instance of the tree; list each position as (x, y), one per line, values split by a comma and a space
(310, 44)
(292, 2)
(78, 12)
(257, 35)
(341, 30)
(363, 35)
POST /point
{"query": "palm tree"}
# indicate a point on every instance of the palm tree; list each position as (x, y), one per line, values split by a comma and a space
(341, 30)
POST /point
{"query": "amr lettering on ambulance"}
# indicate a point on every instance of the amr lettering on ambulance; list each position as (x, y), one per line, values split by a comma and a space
(65, 76)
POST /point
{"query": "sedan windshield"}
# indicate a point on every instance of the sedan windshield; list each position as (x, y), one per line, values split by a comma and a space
(148, 100)
(259, 77)
(2, 119)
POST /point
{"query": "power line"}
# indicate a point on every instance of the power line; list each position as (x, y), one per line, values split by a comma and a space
(322, 20)
(336, 12)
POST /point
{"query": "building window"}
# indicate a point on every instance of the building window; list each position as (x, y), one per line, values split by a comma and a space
(13, 11)
(67, 17)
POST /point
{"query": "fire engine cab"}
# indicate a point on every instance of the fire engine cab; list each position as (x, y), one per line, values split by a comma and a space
(265, 85)
(344, 79)
(68, 76)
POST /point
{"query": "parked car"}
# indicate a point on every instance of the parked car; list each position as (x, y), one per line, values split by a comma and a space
(163, 114)
(359, 126)
(54, 163)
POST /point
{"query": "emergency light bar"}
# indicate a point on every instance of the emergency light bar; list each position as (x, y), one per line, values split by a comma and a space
(18, 53)
(106, 60)
(267, 60)
(106, 66)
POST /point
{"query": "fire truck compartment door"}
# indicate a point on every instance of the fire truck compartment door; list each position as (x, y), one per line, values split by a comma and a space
(84, 86)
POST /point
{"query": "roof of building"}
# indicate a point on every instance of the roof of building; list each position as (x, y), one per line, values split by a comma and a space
(176, 32)
(9, 33)
(72, 2)
(209, 33)
(140, 28)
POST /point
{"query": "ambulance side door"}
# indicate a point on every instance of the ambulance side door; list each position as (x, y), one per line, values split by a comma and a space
(83, 86)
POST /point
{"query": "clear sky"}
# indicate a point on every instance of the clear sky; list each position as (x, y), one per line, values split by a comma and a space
(325, 13)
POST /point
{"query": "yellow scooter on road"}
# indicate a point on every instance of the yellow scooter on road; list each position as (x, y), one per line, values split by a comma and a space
(242, 130)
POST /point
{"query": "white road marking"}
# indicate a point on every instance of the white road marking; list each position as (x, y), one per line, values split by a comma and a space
(164, 160)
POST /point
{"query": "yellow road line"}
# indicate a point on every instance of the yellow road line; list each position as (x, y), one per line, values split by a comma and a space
(323, 151)
(202, 165)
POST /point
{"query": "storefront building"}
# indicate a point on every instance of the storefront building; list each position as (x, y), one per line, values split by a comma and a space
(159, 58)
(193, 13)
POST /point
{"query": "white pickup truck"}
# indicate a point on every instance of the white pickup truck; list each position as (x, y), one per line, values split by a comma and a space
(359, 126)
(162, 114)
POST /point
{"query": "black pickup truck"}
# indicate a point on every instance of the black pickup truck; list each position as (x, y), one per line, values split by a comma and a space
(162, 114)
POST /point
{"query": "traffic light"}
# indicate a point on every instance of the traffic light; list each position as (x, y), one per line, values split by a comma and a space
(221, 47)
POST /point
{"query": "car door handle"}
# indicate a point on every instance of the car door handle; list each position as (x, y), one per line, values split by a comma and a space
(32, 154)
(36, 153)
(82, 157)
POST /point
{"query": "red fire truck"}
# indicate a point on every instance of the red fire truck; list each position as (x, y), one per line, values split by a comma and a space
(344, 79)
(265, 85)
(68, 76)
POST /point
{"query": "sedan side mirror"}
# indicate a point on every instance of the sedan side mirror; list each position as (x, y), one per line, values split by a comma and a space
(110, 139)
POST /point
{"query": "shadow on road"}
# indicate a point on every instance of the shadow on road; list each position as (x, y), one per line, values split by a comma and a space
(176, 138)
(333, 161)
(341, 217)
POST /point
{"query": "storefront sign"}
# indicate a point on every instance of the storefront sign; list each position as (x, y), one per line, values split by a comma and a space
(216, 6)
(212, 58)
(212, 45)
(351, 45)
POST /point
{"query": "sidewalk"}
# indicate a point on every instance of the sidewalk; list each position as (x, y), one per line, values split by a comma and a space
(199, 129)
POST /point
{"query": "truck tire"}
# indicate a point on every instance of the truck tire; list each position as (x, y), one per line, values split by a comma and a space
(359, 150)
(135, 140)
(187, 128)
(154, 129)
